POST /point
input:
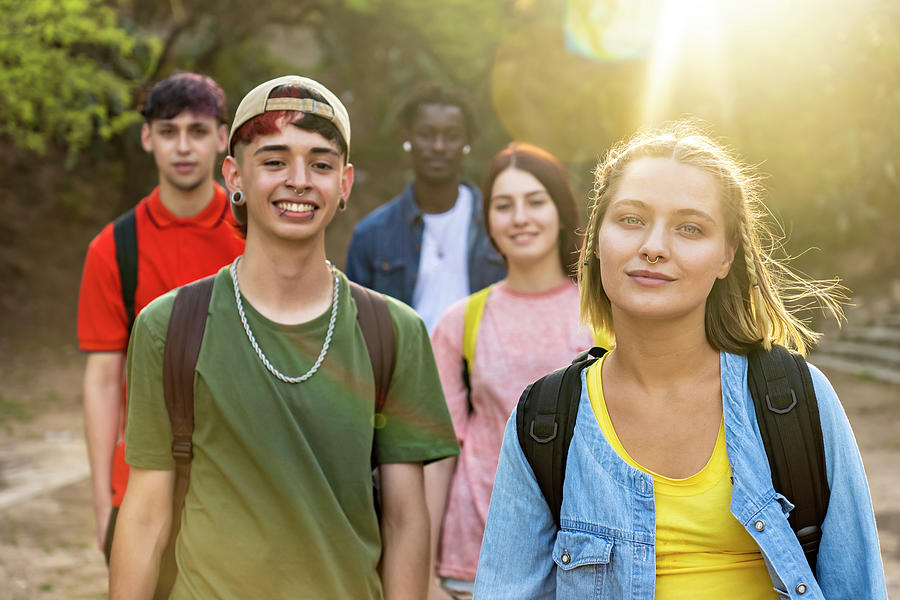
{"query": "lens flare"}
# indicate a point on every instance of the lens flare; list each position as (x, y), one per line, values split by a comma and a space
(610, 29)
(570, 105)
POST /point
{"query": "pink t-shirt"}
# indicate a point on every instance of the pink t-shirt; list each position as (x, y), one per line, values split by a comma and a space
(522, 337)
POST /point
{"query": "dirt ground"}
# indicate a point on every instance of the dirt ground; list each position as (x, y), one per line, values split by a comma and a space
(47, 546)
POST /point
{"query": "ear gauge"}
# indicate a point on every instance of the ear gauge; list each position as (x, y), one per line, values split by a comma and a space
(407, 146)
(342, 203)
(237, 198)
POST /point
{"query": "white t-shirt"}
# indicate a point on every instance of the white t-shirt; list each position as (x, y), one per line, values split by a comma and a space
(443, 266)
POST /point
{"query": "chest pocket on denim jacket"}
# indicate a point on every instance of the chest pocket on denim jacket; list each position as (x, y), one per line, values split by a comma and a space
(582, 559)
(389, 277)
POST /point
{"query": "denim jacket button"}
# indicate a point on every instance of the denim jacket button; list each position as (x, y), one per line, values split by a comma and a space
(801, 588)
(565, 558)
(759, 526)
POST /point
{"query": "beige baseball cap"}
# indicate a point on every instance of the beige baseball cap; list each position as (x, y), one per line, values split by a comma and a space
(257, 102)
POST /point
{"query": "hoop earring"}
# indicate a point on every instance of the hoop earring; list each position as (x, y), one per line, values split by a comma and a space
(407, 146)
(237, 198)
(342, 203)
(466, 149)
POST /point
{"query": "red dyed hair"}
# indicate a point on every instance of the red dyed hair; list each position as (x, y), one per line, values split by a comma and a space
(273, 121)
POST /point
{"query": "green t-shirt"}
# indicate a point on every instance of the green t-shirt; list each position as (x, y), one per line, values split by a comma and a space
(280, 502)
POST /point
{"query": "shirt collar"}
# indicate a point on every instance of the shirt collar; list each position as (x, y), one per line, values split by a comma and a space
(208, 218)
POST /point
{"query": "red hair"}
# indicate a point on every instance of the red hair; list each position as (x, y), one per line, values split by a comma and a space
(275, 120)
(553, 176)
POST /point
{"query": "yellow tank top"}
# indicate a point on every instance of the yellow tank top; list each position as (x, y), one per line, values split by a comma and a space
(702, 551)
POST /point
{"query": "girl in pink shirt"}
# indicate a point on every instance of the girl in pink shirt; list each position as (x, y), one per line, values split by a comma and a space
(529, 327)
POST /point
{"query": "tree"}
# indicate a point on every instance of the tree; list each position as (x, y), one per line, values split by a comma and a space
(68, 73)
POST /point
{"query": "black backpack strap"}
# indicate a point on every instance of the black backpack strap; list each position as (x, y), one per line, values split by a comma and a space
(183, 339)
(125, 236)
(788, 417)
(545, 422)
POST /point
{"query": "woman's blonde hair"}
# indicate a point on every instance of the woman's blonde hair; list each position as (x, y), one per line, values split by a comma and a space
(745, 309)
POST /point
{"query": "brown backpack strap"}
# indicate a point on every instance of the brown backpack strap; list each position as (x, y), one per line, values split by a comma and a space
(185, 334)
(378, 331)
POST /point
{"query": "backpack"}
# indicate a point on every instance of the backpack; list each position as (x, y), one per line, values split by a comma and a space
(786, 411)
(125, 236)
(182, 348)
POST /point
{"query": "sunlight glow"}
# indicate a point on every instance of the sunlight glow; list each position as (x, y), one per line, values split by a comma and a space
(686, 29)
(610, 29)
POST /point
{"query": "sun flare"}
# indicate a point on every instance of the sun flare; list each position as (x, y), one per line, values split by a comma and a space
(685, 28)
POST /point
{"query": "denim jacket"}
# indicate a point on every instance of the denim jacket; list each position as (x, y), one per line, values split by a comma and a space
(608, 516)
(384, 251)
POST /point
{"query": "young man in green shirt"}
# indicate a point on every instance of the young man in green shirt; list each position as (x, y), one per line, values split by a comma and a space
(280, 503)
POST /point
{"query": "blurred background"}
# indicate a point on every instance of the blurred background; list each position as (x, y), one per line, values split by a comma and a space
(807, 90)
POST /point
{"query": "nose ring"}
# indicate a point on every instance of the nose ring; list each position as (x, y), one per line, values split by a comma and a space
(294, 187)
(652, 262)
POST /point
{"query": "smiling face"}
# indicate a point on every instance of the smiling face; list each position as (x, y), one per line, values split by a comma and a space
(662, 242)
(437, 134)
(292, 180)
(523, 220)
(184, 148)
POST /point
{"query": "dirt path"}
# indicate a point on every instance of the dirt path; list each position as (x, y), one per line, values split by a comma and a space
(46, 537)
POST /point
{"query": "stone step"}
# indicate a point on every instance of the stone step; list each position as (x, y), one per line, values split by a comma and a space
(874, 354)
(876, 334)
(859, 368)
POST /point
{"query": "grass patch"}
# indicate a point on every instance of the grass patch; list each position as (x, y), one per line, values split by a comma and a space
(14, 410)
(865, 375)
(52, 397)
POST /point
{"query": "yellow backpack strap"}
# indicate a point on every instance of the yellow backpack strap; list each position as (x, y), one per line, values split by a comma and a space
(472, 321)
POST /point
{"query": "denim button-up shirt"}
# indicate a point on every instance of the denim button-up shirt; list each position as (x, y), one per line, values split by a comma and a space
(386, 245)
(605, 547)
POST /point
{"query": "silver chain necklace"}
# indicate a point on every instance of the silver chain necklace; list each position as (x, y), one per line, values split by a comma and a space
(259, 352)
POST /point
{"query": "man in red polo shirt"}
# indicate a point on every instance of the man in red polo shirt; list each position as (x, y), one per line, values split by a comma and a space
(182, 231)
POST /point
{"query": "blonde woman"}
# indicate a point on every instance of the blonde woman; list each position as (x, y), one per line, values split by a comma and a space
(667, 490)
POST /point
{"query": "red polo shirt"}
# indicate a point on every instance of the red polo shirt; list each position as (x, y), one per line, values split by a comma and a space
(171, 252)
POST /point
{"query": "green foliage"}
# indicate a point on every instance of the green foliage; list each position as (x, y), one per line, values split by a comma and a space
(67, 75)
(14, 410)
(807, 89)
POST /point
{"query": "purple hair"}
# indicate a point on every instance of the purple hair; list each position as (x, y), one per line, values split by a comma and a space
(185, 91)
